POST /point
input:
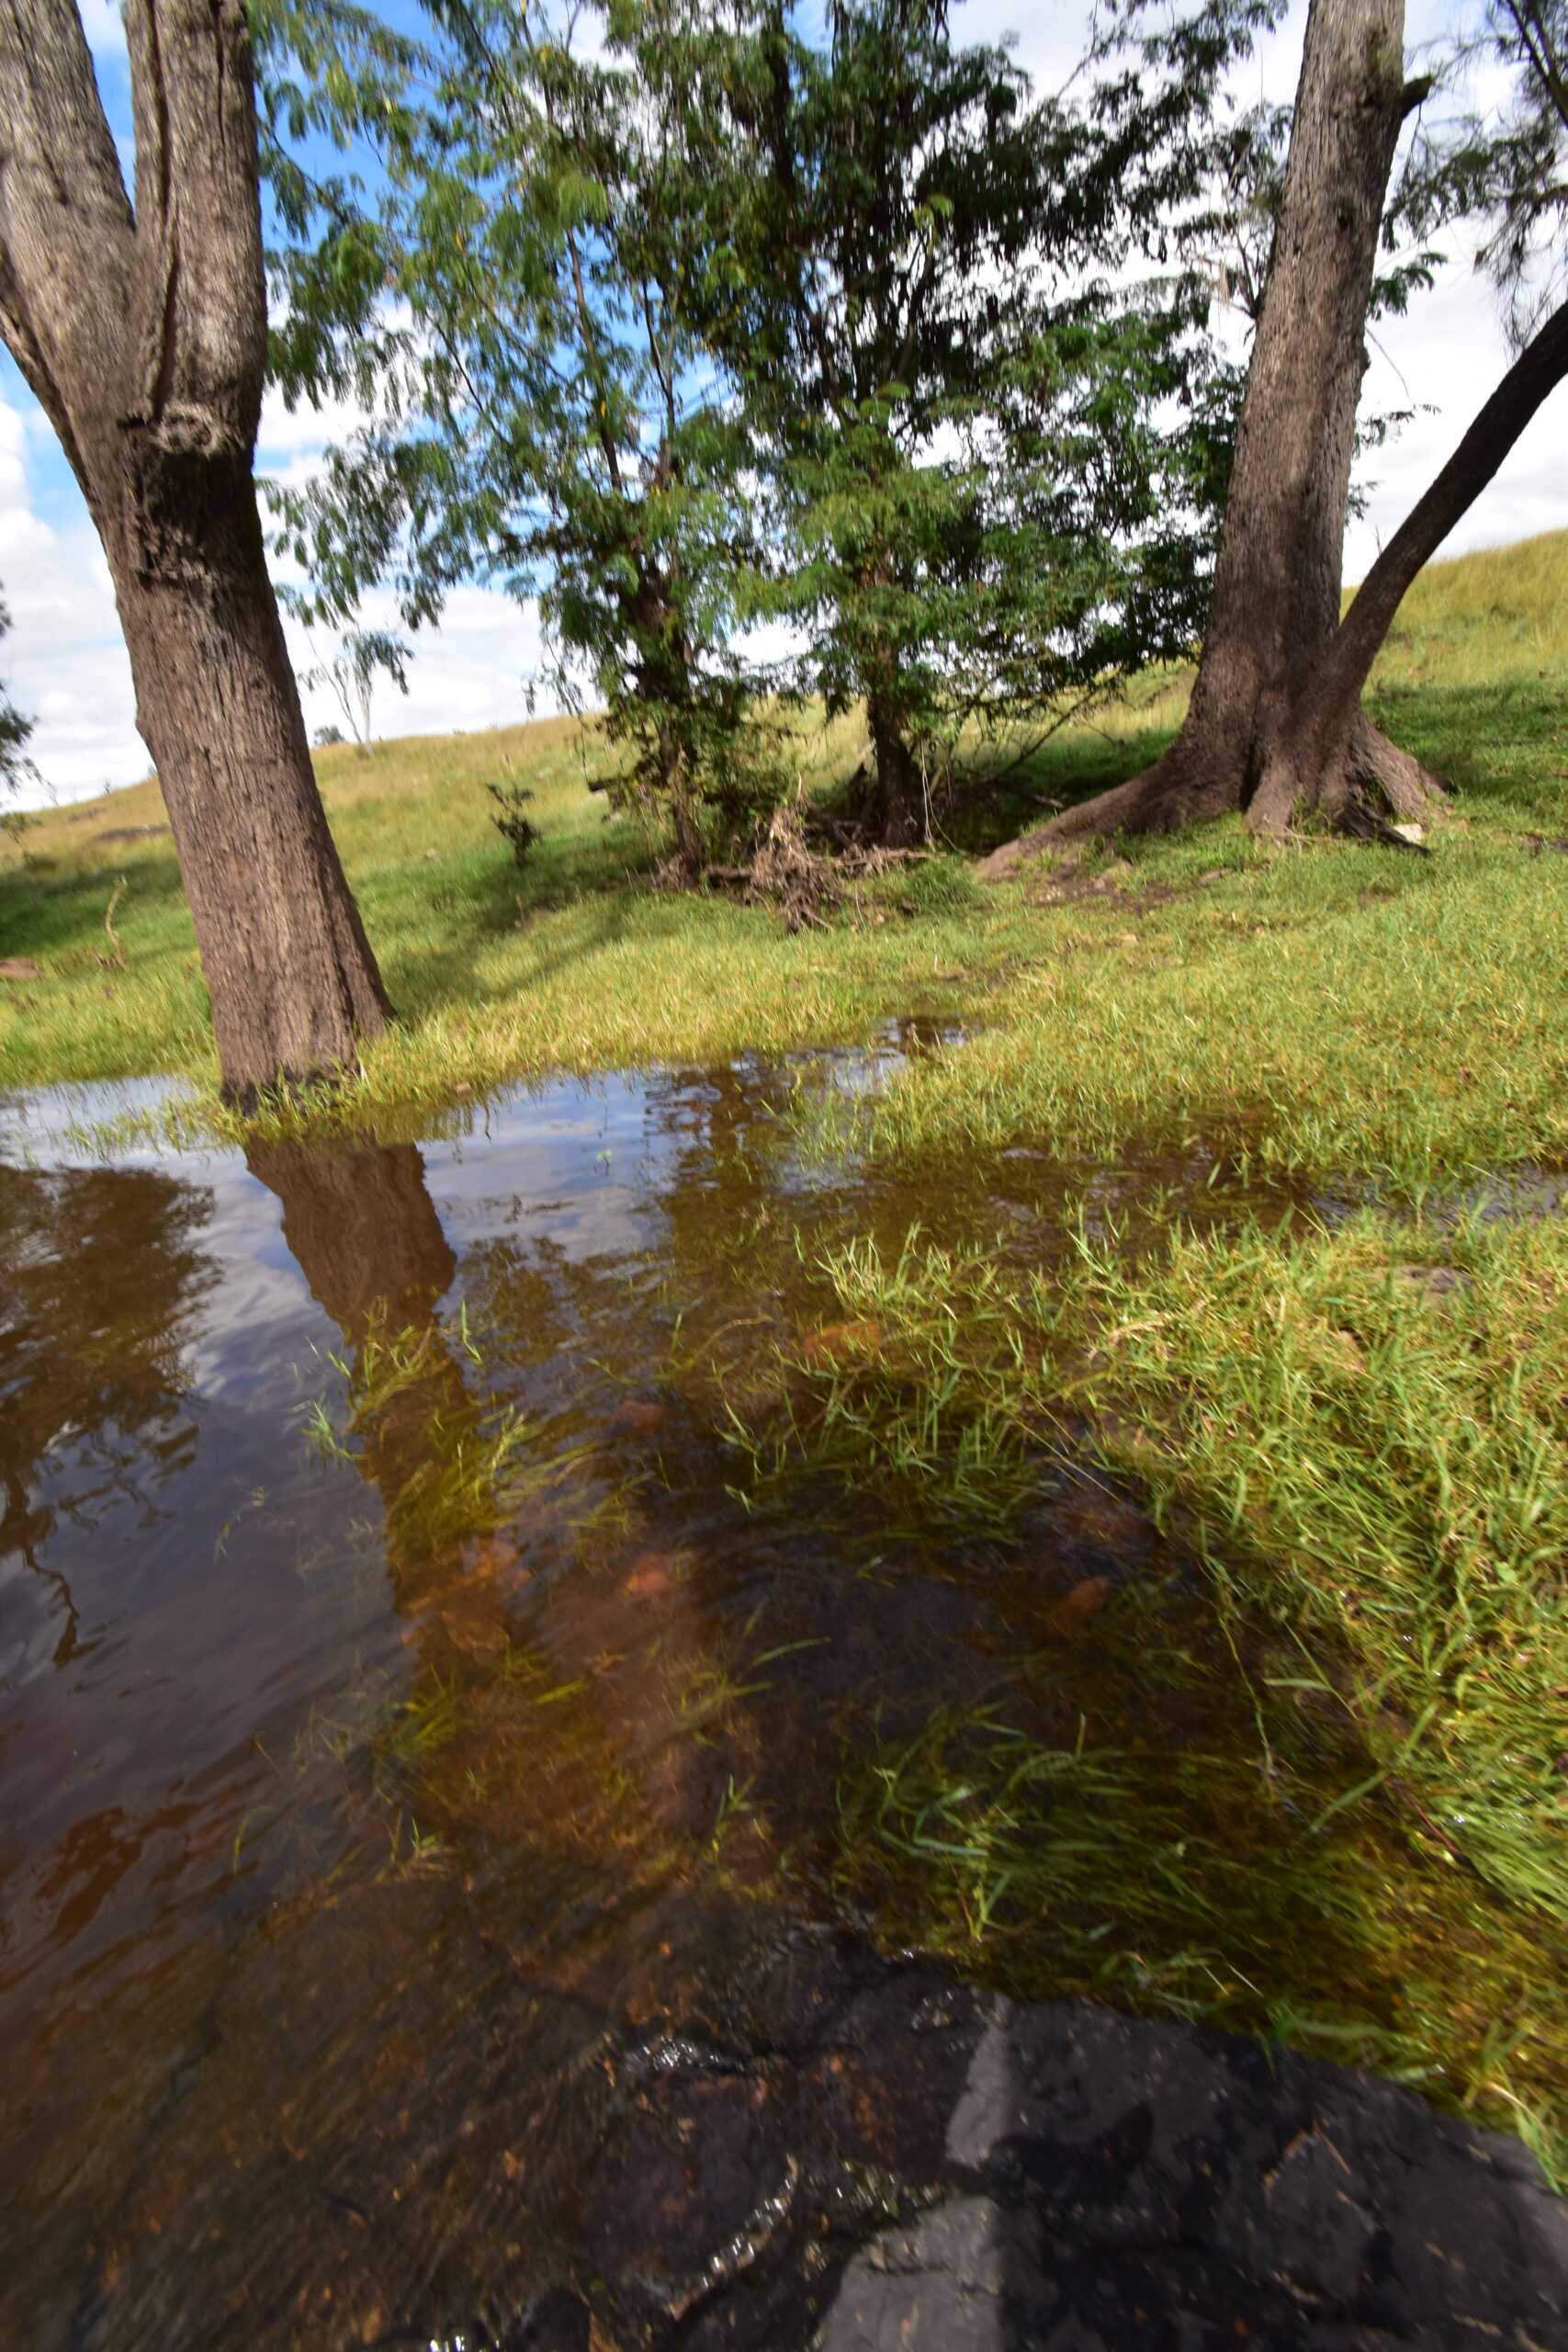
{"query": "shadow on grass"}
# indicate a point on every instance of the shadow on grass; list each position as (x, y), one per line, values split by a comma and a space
(1498, 745)
(996, 801)
(60, 911)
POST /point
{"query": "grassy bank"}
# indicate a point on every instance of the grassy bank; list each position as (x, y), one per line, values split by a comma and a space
(1210, 974)
(1353, 1418)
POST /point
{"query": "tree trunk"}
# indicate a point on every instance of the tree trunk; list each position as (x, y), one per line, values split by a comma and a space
(1277, 579)
(143, 335)
(892, 814)
(293, 982)
(1319, 761)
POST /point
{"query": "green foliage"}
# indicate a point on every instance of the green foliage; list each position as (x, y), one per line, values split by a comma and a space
(687, 319)
(1505, 163)
(542, 227)
(979, 509)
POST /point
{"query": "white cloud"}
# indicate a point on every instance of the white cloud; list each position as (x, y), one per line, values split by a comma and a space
(63, 661)
(103, 21)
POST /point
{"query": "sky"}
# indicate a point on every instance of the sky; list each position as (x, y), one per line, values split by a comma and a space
(65, 664)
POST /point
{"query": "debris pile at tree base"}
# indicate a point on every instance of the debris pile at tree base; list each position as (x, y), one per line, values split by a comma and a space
(806, 884)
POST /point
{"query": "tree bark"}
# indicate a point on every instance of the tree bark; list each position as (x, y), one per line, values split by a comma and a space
(1316, 762)
(1277, 579)
(143, 335)
(892, 815)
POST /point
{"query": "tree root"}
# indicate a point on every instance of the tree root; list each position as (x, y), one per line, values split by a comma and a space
(1159, 799)
(1380, 787)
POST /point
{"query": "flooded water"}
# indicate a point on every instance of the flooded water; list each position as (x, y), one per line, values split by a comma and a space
(408, 1688)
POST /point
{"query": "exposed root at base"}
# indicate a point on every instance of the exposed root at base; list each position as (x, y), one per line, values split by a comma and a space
(1382, 793)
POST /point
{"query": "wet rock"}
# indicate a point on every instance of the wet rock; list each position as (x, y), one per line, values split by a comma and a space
(797, 2143)
(1122, 2182)
(961, 2279)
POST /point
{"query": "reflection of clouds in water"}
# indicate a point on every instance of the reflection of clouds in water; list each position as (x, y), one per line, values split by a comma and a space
(585, 1168)
(568, 1165)
(255, 1342)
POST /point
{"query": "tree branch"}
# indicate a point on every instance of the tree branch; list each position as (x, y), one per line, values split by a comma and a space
(1340, 677)
(66, 233)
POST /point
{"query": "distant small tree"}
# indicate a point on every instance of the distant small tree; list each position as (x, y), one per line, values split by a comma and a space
(15, 731)
(351, 674)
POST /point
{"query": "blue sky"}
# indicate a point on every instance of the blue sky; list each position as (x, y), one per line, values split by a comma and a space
(64, 662)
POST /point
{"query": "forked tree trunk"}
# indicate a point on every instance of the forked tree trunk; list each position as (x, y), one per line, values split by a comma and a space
(1277, 579)
(1315, 761)
(144, 337)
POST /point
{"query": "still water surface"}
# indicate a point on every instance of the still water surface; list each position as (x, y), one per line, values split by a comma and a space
(388, 1635)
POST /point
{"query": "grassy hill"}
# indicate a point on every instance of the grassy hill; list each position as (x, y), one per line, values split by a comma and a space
(575, 963)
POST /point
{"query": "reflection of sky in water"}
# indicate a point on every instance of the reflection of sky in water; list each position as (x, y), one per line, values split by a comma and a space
(574, 1165)
(159, 1557)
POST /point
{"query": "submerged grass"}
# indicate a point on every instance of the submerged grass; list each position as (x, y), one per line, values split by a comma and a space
(1362, 1436)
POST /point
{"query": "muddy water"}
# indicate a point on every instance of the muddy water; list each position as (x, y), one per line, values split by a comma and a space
(402, 1673)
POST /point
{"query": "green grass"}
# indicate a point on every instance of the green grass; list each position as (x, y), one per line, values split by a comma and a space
(1272, 994)
(574, 962)
(1352, 1826)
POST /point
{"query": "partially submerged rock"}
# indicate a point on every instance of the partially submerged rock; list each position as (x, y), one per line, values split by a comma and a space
(763, 2138)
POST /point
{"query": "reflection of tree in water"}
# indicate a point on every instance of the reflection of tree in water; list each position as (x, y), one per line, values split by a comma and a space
(365, 1234)
(535, 1584)
(99, 1276)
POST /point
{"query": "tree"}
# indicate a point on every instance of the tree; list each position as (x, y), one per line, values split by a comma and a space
(546, 417)
(15, 731)
(351, 674)
(142, 330)
(980, 511)
(1277, 583)
(1311, 761)
(1275, 725)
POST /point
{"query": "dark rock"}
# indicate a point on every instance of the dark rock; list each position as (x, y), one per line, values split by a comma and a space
(1127, 2183)
(751, 2137)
